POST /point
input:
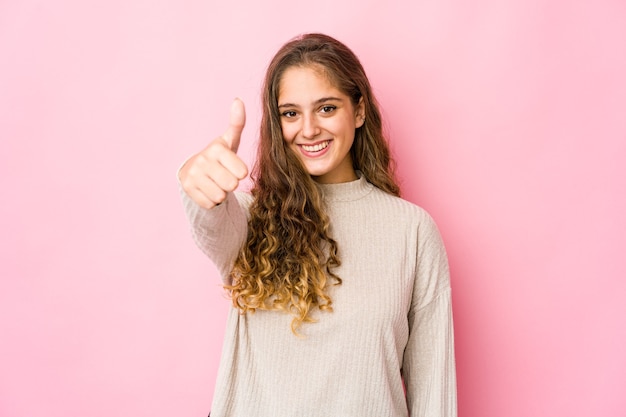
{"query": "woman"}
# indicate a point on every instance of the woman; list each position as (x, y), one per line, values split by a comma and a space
(340, 289)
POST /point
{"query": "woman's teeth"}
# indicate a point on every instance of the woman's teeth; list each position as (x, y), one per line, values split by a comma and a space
(315, 148)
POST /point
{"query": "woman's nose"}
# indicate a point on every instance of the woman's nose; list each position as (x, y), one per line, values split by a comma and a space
(310, 129)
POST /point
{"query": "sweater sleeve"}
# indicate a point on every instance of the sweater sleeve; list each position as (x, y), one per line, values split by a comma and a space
(220, 231)
(429, 365)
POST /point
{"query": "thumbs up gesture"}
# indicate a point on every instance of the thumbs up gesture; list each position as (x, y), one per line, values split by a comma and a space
(207, 176)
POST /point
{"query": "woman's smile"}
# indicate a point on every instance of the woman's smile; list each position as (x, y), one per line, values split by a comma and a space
(315, 150)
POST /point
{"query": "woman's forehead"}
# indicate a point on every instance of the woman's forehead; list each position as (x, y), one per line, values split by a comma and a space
(302, 82)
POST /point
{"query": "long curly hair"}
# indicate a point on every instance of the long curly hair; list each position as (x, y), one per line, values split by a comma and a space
(288, 260)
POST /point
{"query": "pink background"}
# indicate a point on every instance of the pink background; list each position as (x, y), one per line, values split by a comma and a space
(508, 120)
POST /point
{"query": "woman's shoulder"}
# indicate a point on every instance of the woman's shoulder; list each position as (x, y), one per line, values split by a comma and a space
(400, 208)
(400, 202)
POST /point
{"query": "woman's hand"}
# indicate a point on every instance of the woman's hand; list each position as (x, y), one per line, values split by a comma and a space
(207, 176)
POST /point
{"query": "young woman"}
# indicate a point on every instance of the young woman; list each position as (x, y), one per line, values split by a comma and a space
(340, 289)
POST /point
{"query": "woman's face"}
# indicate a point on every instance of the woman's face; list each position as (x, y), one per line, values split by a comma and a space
(318, 123)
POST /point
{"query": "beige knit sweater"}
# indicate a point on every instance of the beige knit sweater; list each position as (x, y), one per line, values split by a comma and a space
(392, 318)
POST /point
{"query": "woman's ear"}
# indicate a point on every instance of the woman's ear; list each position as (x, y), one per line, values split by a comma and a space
(359, 113)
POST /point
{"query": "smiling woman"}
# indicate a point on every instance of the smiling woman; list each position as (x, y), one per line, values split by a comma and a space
(318, 123)
(340, 289)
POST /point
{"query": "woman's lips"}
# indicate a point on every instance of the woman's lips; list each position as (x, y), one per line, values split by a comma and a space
(316, 149)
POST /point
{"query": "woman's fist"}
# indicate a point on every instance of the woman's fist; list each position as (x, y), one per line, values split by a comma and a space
(207, 176)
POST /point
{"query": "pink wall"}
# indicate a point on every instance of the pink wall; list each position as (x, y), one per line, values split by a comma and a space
(509, 125)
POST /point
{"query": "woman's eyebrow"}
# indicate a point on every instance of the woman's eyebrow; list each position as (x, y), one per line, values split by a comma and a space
(318, 101)
(325, 99)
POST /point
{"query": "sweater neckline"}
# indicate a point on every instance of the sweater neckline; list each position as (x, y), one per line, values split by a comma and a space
(347, 191)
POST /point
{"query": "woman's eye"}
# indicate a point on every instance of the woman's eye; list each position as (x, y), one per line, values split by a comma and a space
(328, 109)
(289, 114)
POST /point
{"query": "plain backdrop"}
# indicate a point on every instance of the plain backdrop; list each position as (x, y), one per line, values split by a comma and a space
(508, 122)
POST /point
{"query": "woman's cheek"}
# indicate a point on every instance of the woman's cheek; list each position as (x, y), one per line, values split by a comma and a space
(288, 133)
